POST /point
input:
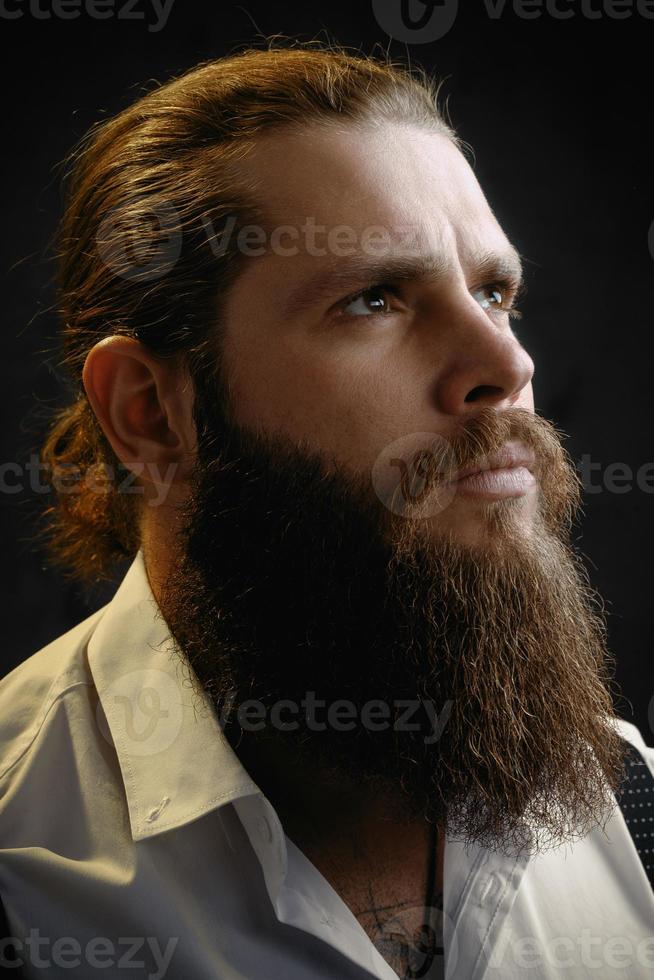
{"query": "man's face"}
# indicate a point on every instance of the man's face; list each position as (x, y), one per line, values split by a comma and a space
(359, 378)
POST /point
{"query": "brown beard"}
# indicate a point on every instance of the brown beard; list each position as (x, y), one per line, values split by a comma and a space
(293, 581)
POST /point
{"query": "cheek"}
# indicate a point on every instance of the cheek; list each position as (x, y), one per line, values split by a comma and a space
(339, 404)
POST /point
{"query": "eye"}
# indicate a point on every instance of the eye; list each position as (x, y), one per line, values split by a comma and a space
(490, 296)
(496, 296)
(368, 302)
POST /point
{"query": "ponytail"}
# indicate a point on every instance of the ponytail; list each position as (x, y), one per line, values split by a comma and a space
(91, 524)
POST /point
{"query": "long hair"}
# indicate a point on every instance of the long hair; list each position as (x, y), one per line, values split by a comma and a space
(141, 252)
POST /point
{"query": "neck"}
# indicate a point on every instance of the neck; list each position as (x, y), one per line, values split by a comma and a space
(377, 858)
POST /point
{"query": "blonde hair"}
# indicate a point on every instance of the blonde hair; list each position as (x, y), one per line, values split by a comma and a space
(173, 155)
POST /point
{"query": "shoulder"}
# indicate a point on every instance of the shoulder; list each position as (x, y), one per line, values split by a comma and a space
(633, 735)
(33, 692)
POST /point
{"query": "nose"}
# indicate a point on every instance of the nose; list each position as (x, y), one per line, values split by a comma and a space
(488, 367)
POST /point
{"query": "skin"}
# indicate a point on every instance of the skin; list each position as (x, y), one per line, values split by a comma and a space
(348, 385)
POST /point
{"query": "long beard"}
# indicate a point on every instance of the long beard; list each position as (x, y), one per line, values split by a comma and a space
(294, 584)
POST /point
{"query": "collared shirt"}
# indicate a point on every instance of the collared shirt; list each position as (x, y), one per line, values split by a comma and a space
(133, 843)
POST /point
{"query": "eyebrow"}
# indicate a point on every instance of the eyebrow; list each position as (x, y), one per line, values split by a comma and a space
(363, 270)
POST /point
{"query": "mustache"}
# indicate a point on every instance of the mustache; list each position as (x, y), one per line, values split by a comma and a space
(488, 440)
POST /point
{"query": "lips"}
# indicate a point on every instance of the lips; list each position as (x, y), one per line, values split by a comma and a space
(512, 455)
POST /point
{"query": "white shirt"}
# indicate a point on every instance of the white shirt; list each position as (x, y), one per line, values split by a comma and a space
(133, 843)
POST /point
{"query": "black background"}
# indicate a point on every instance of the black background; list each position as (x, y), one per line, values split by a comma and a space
(559, 113)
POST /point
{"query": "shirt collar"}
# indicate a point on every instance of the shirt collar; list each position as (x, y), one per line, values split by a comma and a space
(174, 758)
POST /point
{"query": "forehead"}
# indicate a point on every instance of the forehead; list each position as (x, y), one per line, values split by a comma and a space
(397, 176)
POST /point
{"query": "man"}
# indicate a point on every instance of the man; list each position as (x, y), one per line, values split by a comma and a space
(349, 712)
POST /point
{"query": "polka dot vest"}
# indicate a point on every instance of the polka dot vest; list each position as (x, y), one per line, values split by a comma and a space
(636, 799)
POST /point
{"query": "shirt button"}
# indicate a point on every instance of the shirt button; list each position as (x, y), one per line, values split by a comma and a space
(264, 829)
(487, 888)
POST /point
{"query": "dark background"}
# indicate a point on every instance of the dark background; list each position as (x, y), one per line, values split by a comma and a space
(559, 113)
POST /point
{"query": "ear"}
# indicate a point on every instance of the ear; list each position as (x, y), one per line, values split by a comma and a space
(144, 406)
